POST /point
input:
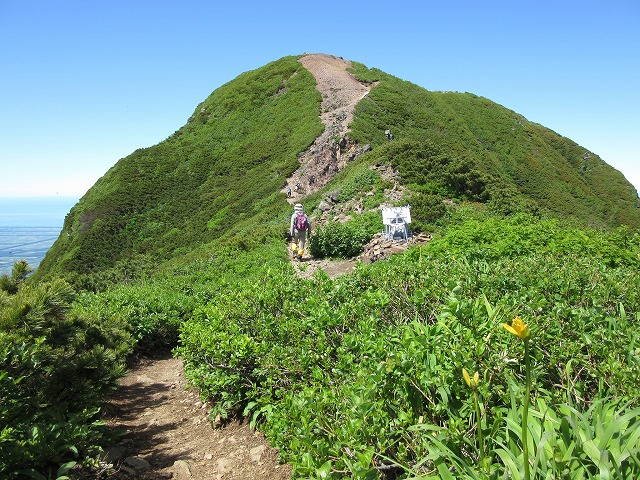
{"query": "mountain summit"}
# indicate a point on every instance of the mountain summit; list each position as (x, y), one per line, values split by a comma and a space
(319, 124)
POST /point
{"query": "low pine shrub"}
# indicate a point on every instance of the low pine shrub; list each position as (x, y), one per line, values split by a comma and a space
(55, 366)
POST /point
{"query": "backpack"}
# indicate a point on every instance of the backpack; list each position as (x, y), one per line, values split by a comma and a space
(301, 223)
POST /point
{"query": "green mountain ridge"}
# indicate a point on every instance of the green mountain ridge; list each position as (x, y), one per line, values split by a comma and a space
(220, 175)
(507, 343)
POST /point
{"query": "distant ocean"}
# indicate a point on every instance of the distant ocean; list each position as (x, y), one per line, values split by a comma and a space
(28, 228)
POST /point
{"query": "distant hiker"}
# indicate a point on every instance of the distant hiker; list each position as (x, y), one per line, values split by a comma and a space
(288, 192)
(298, 187)
(300, 226)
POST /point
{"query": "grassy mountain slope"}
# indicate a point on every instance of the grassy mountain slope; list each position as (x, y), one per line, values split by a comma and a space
(220, 174)
(359, 376)
(225, 165)
(505, 157)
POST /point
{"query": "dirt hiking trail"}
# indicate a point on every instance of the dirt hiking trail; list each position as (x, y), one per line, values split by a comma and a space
(167, 432)
(329, 153)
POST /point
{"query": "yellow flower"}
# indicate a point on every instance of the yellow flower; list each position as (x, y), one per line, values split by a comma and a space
(518, 328)
(471, 382)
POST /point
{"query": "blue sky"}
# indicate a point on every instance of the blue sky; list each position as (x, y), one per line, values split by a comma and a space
(85, 83)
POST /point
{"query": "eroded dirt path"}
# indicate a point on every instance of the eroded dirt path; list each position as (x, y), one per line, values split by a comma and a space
(340, 91)
(333, 268)
(168, 433)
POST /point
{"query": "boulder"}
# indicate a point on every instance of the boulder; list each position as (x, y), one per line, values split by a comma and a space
(324, 206)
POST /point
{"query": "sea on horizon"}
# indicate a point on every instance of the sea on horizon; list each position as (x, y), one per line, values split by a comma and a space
(28, 228)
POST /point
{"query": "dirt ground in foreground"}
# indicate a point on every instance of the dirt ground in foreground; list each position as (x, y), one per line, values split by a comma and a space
(168, 433)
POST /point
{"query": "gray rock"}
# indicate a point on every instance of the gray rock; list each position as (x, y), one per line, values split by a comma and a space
(256, 453)
(324, 206)
(114, 454)
(333, 196)
(181, 470)
(137, 463)
(130, 471)
(225, 465)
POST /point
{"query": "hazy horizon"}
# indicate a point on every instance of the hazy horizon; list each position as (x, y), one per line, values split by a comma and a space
(29, 226)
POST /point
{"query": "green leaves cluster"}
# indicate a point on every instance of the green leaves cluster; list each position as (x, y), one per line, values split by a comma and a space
(358, 183)
(55, 367)
(151, 313)
(600, 442)
(344, 240)
(11, 283)
(428, 168)
(495, 238)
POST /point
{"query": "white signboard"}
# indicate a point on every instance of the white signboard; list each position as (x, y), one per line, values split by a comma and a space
(395, 221)
(391, 215)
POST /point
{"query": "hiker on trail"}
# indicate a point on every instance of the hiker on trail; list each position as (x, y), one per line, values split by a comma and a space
(289, 192)
(300, 227)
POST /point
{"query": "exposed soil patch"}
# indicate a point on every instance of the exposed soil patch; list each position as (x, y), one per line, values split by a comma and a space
(340, 90)
(377, 249)
(168, 433)
(308, 267)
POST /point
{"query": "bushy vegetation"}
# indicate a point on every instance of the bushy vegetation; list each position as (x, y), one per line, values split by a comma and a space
(56, 366)
(462, 145)
(220, 175)
(217, 176)
(357, 183)
(362, 376)
(345, 240)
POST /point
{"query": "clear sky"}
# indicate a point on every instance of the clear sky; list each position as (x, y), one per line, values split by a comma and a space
(85, 83)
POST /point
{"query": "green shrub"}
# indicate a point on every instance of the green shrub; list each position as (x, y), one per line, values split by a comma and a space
(361, 182)
(55, 366)
(426, 209)
(344, 240)
(152, 314)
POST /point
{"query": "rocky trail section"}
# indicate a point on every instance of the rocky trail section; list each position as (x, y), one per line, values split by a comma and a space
(167, 433)
(377, 249)
(328, 154)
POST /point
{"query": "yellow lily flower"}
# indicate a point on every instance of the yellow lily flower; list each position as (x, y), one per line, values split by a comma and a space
(518, 328)
(471, 382)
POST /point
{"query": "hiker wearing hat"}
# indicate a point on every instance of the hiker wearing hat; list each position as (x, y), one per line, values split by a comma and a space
(300, 226)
